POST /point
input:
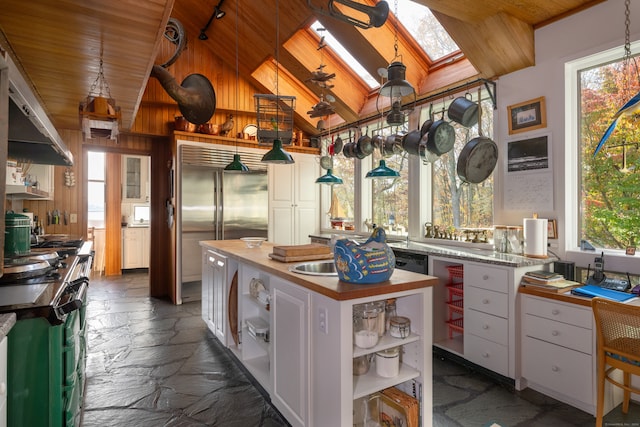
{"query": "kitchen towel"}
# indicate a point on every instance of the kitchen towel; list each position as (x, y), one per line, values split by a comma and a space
(535, 237)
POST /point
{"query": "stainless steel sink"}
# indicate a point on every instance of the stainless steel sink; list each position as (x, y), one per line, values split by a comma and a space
(315, 268)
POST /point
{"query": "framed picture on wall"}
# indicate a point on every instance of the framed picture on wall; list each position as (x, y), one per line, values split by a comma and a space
(552, 229)
(527, 116)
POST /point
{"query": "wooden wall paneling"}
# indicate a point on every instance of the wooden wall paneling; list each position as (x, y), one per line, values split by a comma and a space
(113, 230)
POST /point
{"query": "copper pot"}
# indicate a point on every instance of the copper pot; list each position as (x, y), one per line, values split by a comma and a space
(182, 124)
(209, 129)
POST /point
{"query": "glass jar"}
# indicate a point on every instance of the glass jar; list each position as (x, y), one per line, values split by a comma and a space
(366, 319)
(390, 311)
(500, 238)
(515, 238)
(361, 364)
(399, 327)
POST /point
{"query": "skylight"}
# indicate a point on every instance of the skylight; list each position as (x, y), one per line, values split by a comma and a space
(425, 29)
(345, 55)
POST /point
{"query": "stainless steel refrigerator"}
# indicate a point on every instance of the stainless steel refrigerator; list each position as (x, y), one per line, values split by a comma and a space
(215, 205)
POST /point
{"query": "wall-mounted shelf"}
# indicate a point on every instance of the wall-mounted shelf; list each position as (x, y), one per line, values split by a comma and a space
(24, 192)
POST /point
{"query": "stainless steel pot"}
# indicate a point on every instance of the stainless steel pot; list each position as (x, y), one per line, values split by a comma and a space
(441, 137)
(365, 146)
(393, 144)
(464, 111)
(478, 157)
(411, 142)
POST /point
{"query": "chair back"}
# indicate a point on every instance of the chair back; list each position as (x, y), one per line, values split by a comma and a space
(617, 327)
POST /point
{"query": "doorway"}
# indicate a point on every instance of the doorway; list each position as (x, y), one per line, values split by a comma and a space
(118, 211)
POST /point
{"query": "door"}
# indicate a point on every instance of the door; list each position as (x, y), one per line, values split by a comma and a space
(198, 215)
(291, 351)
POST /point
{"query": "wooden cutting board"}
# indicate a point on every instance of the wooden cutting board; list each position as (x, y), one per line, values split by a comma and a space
(302, 250)
(300, 257)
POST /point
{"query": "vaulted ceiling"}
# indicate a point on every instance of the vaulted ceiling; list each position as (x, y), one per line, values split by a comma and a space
(57, 43)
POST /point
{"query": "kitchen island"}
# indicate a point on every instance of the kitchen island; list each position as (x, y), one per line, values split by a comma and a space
(294, 333)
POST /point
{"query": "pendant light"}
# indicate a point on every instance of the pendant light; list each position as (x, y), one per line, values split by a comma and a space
(236, 165)
(277, 154)
(382, 171)
(329, 178)
(396, 86)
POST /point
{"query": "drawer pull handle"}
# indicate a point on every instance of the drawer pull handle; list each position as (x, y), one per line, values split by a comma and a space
(555, 311)
(485, 355)
(485, 301)
(485, 326)
(555, 333)
(485, 277)
(554, 368)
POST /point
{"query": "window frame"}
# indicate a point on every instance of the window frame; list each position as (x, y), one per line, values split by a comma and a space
(617, 260)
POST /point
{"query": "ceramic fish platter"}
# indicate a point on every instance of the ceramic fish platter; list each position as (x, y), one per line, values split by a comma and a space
(369, 262)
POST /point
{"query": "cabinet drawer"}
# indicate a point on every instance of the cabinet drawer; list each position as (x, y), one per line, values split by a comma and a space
(486, 353)
(570, 336)
(561, 312)
(557, 368)
(486, 277)
(490, 302)
(486, 326)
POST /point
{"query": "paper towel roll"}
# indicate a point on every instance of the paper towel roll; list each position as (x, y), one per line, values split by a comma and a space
(535, 237)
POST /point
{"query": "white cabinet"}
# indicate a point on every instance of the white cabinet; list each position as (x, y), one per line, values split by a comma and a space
(135, 247)
(290, 351)
(135, 178)
(558, 352)
(486, 317)
(490, 325)
(217, 277)
(3, 381)
(305, 360)
(294, 201)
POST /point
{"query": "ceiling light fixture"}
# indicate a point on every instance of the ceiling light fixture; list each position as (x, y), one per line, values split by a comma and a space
(99, 115)
(396, 86)
(236, 165)
(275, 114)
(382, 171)
(217, 14)
(377, 14)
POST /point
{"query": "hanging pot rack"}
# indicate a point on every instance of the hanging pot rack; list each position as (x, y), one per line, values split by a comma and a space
(489, 85)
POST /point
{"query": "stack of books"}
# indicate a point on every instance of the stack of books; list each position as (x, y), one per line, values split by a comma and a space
(548, 281)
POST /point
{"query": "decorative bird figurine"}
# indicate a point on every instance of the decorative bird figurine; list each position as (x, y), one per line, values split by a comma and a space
(631, 107)
(227, 126)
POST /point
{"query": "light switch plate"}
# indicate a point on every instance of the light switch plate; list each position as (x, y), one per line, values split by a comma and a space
(73, 218)
(323, 322)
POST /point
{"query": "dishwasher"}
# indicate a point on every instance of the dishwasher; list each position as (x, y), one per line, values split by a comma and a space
(411, 261)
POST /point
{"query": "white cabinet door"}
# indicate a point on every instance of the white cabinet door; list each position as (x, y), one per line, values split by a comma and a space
(293, 201)
(132, 254)
(290, 346)
(208, 262)
(135, 178)
(146, 246)
(214, 293)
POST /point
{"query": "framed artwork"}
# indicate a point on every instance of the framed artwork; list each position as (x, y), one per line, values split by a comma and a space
(552, 229)
(527, 116)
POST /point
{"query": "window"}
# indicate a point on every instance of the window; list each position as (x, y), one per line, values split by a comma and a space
(609, 207)
(454, 204)
(447, 201)
(95, 190)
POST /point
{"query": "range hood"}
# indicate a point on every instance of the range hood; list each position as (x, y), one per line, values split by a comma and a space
(32, 136)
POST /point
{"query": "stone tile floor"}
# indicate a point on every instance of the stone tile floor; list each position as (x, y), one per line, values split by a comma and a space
(151, 363)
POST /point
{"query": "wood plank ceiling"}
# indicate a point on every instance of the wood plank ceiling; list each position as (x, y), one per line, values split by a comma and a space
(58, 45)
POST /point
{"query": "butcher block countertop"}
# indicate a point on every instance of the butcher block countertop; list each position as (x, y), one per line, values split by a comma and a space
(329, 286)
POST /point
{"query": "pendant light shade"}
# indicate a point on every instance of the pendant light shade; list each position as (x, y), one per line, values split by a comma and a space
(236, 165)
(382, 171)
(277, 154)
(329, 178)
